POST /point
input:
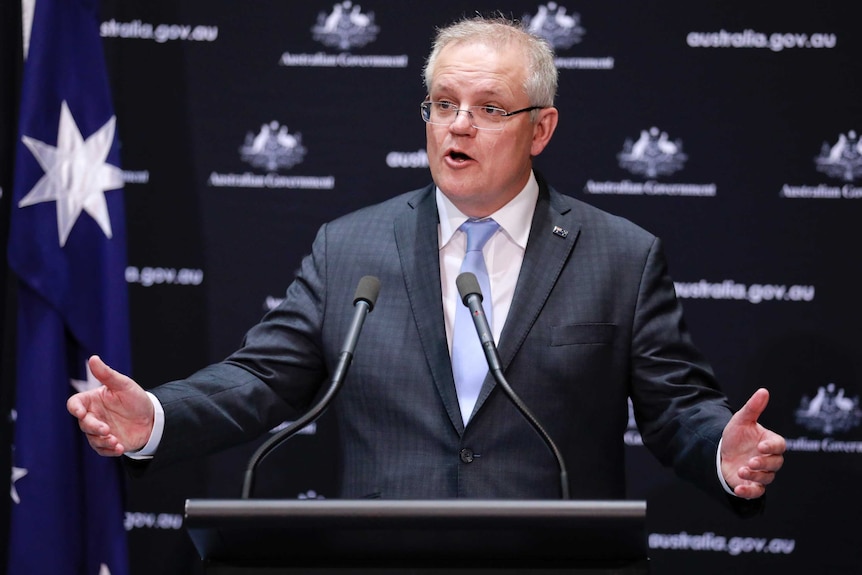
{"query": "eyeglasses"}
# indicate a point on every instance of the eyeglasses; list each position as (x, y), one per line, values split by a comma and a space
(481, 117)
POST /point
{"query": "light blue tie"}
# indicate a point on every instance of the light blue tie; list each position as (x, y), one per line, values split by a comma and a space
(469, 366)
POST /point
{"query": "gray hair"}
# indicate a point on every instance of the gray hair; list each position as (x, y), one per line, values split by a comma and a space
(498, 32)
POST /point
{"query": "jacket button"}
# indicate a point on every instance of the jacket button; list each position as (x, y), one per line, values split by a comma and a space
(466, 455)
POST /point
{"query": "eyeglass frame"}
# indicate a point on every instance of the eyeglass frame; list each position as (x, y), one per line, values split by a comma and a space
(426, 105)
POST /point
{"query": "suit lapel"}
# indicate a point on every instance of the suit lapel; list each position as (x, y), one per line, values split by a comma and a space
(553, 234)
(416, 237)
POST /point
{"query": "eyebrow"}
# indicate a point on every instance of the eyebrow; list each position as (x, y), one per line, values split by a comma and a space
(482, 95)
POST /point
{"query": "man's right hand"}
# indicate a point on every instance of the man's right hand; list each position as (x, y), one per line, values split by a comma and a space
(117, 416)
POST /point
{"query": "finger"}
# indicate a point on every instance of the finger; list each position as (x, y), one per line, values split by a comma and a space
(772, 446)
(110, 378)
(75, 406)
(749, 490)
(114, 450)
(92, 425)
(106, 444)
(761, 477)
(755, 405)
(770, 463)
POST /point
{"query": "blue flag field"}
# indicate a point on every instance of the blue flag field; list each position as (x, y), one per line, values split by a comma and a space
(67, 247)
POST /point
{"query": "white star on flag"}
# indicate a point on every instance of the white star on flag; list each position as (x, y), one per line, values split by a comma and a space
(85, 385)
(76, 175)
(17, 473)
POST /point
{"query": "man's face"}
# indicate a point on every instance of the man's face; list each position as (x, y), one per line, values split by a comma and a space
(482, 170)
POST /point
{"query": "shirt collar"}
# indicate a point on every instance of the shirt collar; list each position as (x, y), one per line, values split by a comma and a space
(514, 218)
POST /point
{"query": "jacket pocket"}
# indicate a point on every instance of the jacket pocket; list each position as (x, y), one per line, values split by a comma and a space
(583, 334)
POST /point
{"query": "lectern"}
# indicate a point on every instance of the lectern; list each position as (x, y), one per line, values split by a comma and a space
(427, 537)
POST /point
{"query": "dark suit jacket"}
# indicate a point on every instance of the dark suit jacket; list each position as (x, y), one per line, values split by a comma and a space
(594, 320)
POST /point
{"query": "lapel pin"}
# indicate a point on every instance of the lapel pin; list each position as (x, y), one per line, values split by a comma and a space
(558, 231)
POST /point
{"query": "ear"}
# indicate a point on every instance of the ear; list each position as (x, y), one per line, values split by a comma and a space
(543, 129)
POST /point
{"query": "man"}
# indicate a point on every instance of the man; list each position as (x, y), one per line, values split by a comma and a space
(581, 305)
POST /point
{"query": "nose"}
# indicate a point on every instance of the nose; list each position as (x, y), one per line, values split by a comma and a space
(463, 122)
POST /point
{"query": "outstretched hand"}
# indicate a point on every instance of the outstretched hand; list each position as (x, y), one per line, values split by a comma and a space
(750, 454)
(117, 416)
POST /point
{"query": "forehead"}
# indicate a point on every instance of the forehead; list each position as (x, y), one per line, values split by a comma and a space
(479, 67)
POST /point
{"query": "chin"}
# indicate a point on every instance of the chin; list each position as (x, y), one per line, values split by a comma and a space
(456, 189)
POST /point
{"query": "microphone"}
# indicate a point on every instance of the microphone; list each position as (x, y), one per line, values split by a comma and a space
(363, 301)
(471, 296)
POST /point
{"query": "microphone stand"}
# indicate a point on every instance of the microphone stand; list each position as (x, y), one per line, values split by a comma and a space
(471, 296)
(364, 300)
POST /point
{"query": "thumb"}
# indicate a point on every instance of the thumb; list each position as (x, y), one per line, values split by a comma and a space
(113, 380)
(754, 407)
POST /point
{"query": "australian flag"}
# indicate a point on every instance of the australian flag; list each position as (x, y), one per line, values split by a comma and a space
(67, 246)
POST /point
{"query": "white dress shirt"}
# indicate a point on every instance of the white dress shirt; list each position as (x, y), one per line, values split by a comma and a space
(504, 253)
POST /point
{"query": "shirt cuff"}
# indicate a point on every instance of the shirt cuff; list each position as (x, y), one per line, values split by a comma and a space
(148, 450)
(718, 469)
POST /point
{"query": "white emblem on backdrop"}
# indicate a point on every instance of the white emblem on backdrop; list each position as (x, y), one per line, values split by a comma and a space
(562, 29)
(273, 147)
(652, 154)
(345, 27)
(829, 411)
(310, 494)
(843, 159)
(552, 22)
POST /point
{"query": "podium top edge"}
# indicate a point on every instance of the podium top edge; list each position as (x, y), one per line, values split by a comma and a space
(203, 508)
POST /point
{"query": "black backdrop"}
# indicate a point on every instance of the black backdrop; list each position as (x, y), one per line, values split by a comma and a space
(727, 128)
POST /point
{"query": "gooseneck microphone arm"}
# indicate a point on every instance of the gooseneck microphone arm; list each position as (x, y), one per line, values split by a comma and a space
(363, 301)
(471, 296)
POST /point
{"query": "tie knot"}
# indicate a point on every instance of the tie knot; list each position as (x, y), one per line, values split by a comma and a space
(478, 233)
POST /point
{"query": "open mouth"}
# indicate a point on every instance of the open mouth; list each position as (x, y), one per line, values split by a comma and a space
(458, 156)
